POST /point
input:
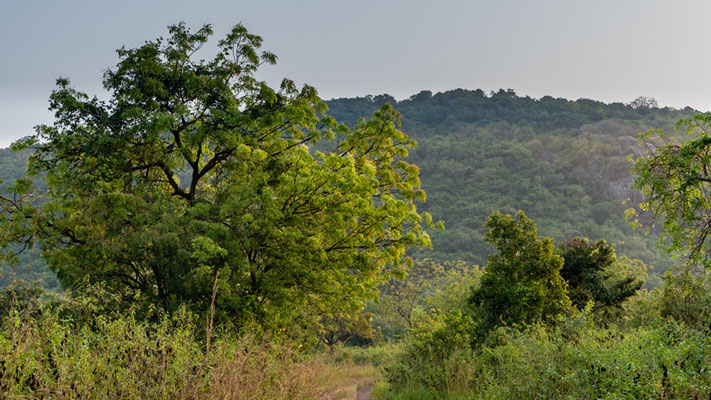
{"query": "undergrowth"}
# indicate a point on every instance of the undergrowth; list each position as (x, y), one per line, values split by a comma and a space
(55, 351)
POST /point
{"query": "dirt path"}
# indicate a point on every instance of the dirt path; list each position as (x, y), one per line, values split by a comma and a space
(351, 389)
(364, 392)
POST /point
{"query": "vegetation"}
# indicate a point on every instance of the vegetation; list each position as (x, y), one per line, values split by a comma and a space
(522, 282)
(675, 181)
(589, 270)
(654, 346)
(575, 360)
(195, 177)
(218, 238)
(82, 349)
(564, 163)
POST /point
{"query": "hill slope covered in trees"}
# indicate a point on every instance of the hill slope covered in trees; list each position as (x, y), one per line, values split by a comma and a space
(565, 163)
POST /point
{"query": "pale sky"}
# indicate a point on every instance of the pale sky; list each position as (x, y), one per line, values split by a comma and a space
(608, 50)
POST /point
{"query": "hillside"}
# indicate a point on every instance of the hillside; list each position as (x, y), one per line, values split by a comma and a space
(564, 163)
(29, 265)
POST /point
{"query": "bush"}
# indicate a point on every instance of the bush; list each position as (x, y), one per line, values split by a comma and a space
(576, 359)
(687, 298)
(433, 357)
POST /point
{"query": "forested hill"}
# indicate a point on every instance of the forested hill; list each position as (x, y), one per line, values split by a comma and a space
(564, 163)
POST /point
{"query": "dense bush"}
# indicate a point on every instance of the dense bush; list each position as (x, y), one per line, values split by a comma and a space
(686, 297)
(434, 356)
(574, 360)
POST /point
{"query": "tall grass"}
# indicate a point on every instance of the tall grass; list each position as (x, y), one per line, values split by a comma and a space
(50, 352)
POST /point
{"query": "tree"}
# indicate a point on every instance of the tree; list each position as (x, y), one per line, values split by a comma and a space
(521, 282)
(194, 171)
(676, 183)
(589, 269)
(644, 102)
(340, 328)
(427, 290)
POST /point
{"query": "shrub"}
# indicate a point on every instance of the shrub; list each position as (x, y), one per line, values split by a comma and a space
(576, 359)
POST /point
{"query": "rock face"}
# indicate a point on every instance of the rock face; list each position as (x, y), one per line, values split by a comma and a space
(624, 191)
(609, 149)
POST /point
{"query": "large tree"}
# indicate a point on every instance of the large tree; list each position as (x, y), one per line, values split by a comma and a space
(195, 175)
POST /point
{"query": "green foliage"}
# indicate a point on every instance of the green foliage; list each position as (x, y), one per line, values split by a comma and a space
(338, 328)
(432, 352)
(686, 297)
(588, 269)
(111, 355)
(675, 181)
(657, 347)
(194, 170)
(378, 356)
(576, 360)
(428, 289)
(21, 296)
(521, 282)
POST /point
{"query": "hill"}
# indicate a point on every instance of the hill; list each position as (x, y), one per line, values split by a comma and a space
(565, 163)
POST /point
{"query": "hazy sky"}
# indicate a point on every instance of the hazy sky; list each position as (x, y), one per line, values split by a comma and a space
(610, 50)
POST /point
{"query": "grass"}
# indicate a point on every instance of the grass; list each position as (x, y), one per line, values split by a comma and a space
(48, 354)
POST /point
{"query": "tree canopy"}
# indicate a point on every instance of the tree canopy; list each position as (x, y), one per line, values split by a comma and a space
(588, 270)
(676, 183)
(521, 282)
(194, 174)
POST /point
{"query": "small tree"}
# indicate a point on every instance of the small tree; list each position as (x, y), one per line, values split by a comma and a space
(338, 328)
(644, 102)
(428, 289)
(589, 269)
(521, 282)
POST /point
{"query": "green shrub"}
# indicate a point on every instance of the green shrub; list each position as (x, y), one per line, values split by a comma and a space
(432, 356)
(686, 297)
(574, 360)
(375, 355)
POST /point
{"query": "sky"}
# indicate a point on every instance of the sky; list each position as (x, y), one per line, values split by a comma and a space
(608, 50)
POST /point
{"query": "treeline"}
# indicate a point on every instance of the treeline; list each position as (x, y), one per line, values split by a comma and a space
(441, 113)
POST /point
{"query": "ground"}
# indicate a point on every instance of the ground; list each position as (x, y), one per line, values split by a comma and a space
(349, 381)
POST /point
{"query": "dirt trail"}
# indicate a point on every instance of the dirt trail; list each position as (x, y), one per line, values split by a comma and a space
(364, 392)
(350, 389)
